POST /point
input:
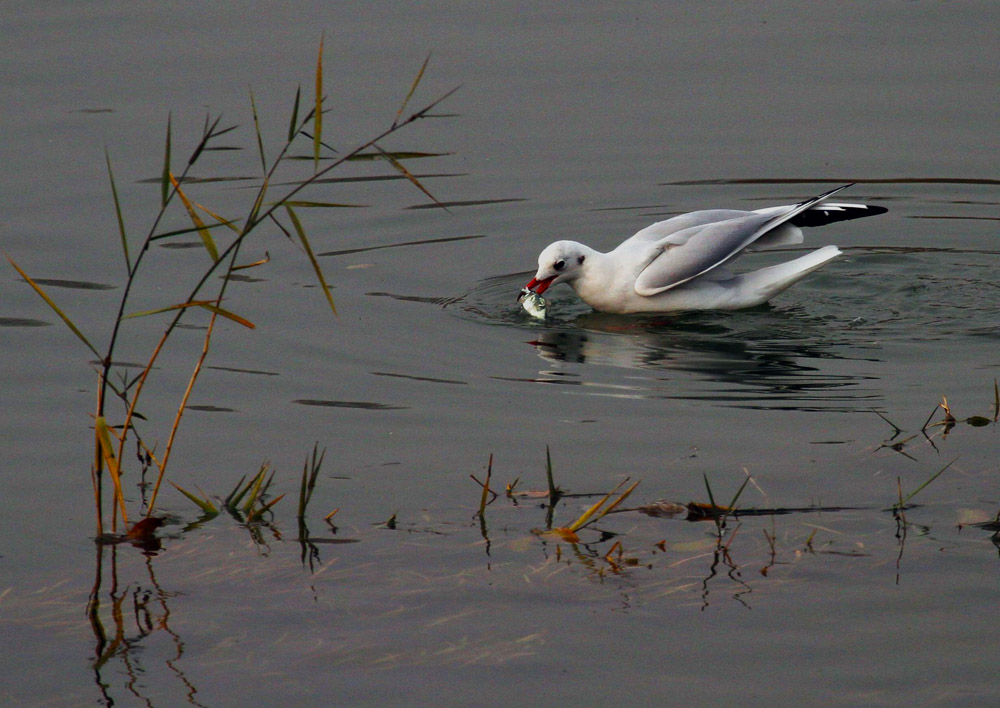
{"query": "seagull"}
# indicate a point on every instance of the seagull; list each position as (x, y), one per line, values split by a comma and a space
(678, 264)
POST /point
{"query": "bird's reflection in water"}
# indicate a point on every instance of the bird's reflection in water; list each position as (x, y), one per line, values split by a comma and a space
(768, 359)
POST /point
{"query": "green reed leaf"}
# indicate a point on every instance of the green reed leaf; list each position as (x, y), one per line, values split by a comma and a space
(256, 126)
(55, 308)
(165, 177)
(206, 236)
(293, 124)
(204, 504)
(118, 213)
(312, 257)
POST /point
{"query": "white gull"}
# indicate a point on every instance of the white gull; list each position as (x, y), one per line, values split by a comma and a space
(677, 264)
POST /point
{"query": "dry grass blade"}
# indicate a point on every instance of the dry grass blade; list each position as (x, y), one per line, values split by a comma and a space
(262, 261)
(318, 112)
(118, 213)
(413, 88)
(55, 308)
(563, 534)
(227, 314)
(312, 257)
(206, 237)
(104, 440)
(409, 175)
(205, 304)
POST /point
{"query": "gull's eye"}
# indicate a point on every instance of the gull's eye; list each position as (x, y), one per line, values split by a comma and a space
(559, 265)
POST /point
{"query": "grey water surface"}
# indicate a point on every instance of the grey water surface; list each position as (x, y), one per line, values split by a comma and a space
(586, 121)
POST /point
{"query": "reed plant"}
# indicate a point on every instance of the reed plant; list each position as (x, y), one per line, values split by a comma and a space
(271, 205)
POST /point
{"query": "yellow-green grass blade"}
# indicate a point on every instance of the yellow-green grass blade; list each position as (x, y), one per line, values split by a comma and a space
(108, 451)
(206, 304)
(206, 236)
(255, 515)
(118, 213)
(255, 490)
(235, 495)
(739, 492)
(586, 517)
(228, 315)
(589, 513)
(617, 501)
(919, 489)
(204, 504)
(486, 486)
(228, 223)
(312, 257)
(55, 308)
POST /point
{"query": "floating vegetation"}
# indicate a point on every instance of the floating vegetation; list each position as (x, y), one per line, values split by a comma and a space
(940, 428)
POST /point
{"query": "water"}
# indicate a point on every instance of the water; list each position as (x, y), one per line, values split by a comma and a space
(585, 123)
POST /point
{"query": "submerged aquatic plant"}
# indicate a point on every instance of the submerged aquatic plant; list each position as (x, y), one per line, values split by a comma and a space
(265, 208)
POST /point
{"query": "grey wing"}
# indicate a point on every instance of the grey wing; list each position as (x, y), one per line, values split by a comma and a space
(673, 227)
(688, 253)
(691, 252)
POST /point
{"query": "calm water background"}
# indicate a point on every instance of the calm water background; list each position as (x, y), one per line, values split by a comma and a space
(589, 122)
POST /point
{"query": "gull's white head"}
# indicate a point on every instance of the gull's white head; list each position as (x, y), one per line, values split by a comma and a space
(560, 262)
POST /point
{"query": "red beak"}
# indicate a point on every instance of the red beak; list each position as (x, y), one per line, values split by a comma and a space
(539, 286)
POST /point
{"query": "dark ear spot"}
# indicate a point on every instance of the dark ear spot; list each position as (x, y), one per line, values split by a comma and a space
(580, 259)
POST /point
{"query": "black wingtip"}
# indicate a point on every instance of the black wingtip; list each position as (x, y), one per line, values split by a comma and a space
(820, 216)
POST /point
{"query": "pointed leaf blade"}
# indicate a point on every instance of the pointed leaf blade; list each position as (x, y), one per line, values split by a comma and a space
(55, 308)
(312, 257)
(118, 213)
(206, 236)
(318, 113)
